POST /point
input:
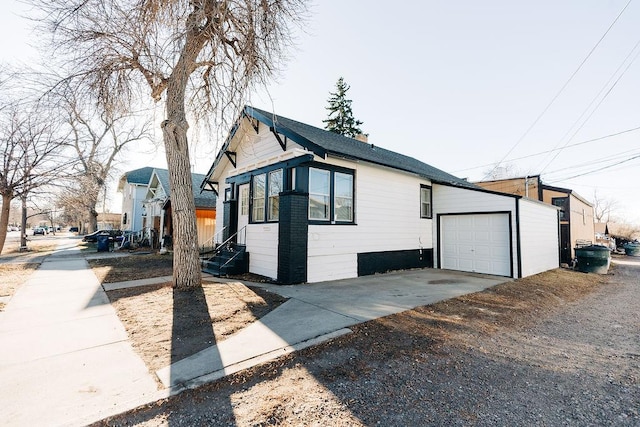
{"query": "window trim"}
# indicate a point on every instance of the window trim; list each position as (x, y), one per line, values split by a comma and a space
(271, 196)
(266, 197)
(328, 175)
(563, 210)
(253, 198)
(332, 170)
(430, 188)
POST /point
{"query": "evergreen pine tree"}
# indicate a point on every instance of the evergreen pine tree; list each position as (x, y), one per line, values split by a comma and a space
(340, 119)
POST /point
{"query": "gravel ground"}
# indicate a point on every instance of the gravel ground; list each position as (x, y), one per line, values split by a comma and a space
(575, 365)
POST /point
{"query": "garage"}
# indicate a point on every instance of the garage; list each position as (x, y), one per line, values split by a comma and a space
(479, 243)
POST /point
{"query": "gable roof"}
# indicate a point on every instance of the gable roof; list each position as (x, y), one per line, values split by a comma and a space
(205, 199)
(137, 176)
(323, 142)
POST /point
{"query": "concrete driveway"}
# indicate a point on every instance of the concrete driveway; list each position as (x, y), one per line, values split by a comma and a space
(318, 312)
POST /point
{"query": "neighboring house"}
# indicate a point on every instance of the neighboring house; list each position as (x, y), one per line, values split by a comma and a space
(310, 205)
(133, 186)
(576, 213)
(109, 221)
(603, 236)
(157, 207)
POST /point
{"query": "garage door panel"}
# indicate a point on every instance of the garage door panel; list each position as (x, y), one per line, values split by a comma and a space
(477, 243)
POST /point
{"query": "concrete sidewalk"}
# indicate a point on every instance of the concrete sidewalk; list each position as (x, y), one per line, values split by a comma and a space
(65, 354)
(317, 312)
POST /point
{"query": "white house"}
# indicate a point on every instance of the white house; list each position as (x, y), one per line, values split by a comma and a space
(133, 186)
(310, 205)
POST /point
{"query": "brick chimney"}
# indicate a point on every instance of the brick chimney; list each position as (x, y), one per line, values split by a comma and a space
(362, 137)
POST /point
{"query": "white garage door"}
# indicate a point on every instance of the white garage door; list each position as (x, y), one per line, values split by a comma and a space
(479, 243)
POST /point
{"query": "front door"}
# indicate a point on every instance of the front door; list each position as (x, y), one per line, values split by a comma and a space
(243, 212)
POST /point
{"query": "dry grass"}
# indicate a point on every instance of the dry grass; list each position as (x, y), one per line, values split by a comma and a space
(165, 327)
(133, 267)
(36, 244)
(13, 275)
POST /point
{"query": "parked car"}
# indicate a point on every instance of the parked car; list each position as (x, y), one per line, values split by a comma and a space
(73, 229)
(115, 235)
(39, 230)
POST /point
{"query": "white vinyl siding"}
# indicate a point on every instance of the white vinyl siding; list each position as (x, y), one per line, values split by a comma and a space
(386, 220)
(538, 237)
(257, 148)
(262, 245)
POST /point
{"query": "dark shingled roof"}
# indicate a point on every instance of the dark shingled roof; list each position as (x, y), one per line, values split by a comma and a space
(206, 199)
(322, 142)
(139, 176)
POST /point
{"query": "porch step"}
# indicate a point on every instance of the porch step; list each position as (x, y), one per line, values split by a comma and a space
(226, 262)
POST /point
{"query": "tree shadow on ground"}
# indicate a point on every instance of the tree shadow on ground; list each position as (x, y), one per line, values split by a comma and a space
(192, 323)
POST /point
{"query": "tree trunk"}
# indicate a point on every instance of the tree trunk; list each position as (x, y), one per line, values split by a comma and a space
(93, 219)
(186, 263)
(4, 219)
(23, 232)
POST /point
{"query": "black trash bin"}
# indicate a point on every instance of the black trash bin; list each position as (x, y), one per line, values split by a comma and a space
(103, 242)
(593, 259)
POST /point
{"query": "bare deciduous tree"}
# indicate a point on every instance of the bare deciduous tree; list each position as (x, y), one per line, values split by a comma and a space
(603, 208)
(201, 56)
(97, 136)
(31, 158)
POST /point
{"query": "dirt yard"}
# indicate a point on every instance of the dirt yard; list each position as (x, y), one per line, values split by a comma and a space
(13, 275)
(527, 352)
(166, 326)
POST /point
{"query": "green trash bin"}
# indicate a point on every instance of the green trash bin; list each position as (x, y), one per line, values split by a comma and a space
(632, 249)
(593, 259)
(103, 242)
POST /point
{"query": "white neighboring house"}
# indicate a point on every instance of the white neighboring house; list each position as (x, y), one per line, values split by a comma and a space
(133, 186)
(309, 205)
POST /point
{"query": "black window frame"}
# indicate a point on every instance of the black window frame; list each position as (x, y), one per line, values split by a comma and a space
(267, 178)
(332, 170)
(430, 188)
(564, 207)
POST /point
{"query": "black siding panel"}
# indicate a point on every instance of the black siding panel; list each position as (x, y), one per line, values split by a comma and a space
(381, 262)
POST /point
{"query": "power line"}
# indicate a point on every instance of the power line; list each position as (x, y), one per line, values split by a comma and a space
(599, 103)
(560, 91)
(599, 169)
(555, 149)
(612, 157)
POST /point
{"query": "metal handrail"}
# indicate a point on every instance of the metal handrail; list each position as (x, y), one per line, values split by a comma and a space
(230, 240)
(213, 240)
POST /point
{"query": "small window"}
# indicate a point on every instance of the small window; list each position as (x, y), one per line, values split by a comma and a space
(319, 196)
(275, 188)
(257, 213)
(425, 202)
(343, 197)
(562, 203)
(244, 200)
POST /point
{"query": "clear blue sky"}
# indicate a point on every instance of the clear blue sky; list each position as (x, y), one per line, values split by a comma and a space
(457, 84)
